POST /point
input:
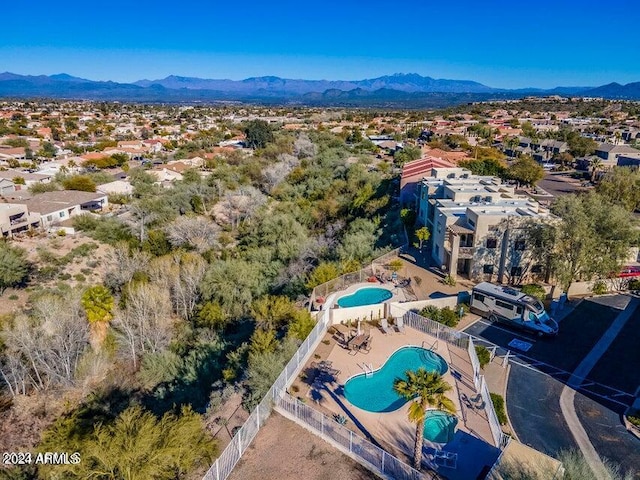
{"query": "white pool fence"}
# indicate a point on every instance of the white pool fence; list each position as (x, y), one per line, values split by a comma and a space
(374, 457)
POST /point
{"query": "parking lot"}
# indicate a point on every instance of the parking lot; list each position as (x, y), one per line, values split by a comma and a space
(579, 332)
(537, 377)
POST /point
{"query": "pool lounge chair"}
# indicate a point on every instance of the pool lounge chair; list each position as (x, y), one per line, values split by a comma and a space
(384, 325)
(399, 322)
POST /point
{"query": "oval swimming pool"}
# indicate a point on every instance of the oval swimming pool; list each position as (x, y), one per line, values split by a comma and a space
(374, 392)
(439, 426)
(365, 296)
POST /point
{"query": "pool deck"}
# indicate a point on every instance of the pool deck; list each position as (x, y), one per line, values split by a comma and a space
(392, 431)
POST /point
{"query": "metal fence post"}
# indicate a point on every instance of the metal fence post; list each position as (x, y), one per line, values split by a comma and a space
(383, 454)
(350, 441)
(217, 470)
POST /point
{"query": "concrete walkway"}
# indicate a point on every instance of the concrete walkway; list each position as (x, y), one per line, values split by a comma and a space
(577, 378)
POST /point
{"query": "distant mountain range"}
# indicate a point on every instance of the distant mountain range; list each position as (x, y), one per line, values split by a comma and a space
(398, 90)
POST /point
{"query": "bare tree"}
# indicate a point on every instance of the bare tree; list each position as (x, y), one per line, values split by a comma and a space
(145, 325)
(276, 173)
(196, 231)
(123, 264)
(304, 147)
(239, 205)
(180, 274)
(43, 351)
(204, 193)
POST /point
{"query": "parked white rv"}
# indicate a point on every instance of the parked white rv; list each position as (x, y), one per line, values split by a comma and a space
(505, 304)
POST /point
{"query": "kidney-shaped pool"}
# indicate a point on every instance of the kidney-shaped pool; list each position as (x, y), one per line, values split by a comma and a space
(374, 392)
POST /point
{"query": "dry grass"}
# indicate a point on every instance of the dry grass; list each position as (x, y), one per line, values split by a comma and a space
(286, 451)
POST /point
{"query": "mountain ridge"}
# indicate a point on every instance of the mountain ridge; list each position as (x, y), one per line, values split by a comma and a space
(401, 89)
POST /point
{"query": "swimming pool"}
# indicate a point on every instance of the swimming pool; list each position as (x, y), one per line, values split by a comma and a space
(439, 426)
(365, 296)
(374, 393)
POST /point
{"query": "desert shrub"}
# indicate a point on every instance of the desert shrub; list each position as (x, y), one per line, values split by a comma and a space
(448, 317)
(534, 290)
(634, 284)
(431, 312)
(577, 468)
(484, 356)
(79, 277)
(445, 315)
(449, 280)
(498, 406)
(599, 287)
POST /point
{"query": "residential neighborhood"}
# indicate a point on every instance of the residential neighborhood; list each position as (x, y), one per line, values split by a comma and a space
(251, 274)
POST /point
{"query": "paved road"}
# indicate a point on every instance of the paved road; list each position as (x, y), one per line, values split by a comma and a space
(534, 410)
(607, 433)
(559, 183)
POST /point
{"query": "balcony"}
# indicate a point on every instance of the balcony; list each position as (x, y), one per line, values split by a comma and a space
(466, 252)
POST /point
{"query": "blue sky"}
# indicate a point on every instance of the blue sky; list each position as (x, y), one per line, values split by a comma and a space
(497, 42)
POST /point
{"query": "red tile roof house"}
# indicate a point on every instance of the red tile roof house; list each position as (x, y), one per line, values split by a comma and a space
(413, 172)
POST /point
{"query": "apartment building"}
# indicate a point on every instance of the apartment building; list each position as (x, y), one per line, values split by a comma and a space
(477, 227)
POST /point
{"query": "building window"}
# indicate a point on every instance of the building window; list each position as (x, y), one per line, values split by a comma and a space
(492, 242)
(471, 222)
(520, 245)
(516, 271)
(537, 269)
(479, 297)
(488, 268)
(61, 214)
(49, 218)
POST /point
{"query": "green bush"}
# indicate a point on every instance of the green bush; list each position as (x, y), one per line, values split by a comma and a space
(80, 277)
(83, 183)
(445, 315)
(599, 288)
(634, 418)
(534, 290)
(449, 280)
(449, 317)
(498, 406)
(484, 356)
(634, 284)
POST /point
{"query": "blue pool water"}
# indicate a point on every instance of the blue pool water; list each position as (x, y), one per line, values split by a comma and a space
(365, 296)
(375, 393)
(439, 427)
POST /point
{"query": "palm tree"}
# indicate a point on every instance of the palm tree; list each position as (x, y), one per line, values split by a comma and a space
(426, 389)
(596, 164)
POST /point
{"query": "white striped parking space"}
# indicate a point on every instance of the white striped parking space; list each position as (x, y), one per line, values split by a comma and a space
(588, 387)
